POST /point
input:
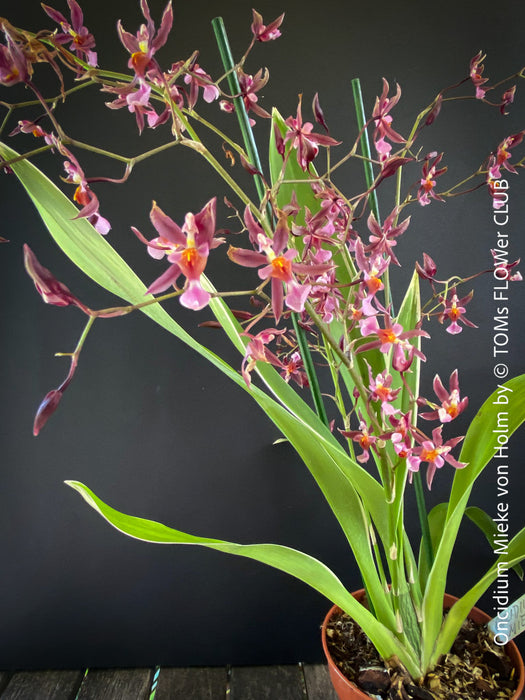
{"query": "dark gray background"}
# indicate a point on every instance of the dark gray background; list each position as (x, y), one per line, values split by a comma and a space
(158, 433)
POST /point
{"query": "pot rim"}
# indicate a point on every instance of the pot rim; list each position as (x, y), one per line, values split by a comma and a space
(511, 647)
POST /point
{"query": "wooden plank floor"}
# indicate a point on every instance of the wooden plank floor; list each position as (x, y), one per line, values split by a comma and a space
(296, 682)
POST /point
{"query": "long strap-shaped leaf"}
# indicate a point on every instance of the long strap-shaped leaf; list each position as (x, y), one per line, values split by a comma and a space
(291, 561)
(514, 554)
(98, 260)
(365, 485)
(333, 470)
(478, 450)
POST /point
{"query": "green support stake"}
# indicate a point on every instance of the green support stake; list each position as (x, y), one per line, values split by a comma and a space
(253, 154)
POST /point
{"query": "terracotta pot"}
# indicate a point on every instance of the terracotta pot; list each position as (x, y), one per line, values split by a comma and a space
(346, 690)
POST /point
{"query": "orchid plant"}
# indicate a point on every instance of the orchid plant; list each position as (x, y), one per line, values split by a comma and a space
(321, 258)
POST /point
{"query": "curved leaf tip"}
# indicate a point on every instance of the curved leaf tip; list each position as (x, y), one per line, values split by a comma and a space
(84, 492)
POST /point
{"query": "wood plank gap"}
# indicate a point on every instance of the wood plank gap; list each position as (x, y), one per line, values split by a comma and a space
(303, 679)
(317, 682)
(267, 683)
(193, 683)
(109, 684)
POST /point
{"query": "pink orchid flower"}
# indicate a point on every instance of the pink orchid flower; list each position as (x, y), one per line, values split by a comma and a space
(15, 67)
(306, 143)
(187, 250)
(504, 270)
(278, 266)
(28, 127)
(198, 78)
(401, 438)
(83, 195)
(293, 368)
(263, 32)
(372, 269)
(454, 311)
(451, 403)
(256, 351)
(435, 452)
(250, 84)
(503, 155)
(506, 99)
(391, 337)
(383, 121)
(363, 439)
(381, 390)
(427, 182)
(87, 199)
(383, 238)
(147, 41)
(476, 74)
(428, 270)
(80, 39)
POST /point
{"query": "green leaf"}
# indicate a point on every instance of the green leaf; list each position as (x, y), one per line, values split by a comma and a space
(291, 561)
(478, 450)
(436, 522)
(437, 518)
(489, 528)
(294, 179)
(479, 445)
(409, 314)
(408, 317)
(307, 425)
(94, 255)
(514, 554)
(341, 480)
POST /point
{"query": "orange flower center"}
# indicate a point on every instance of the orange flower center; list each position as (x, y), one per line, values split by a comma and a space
(356, 313)
(387, 335)
(382, 392)
(364, 441)
(503, 155)
(139, 61)
(282, 268)
(429, 184)
(190, 256)
(81, 196)
(374, 284)
(452, 410)
(430, 455)
(454, 312)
